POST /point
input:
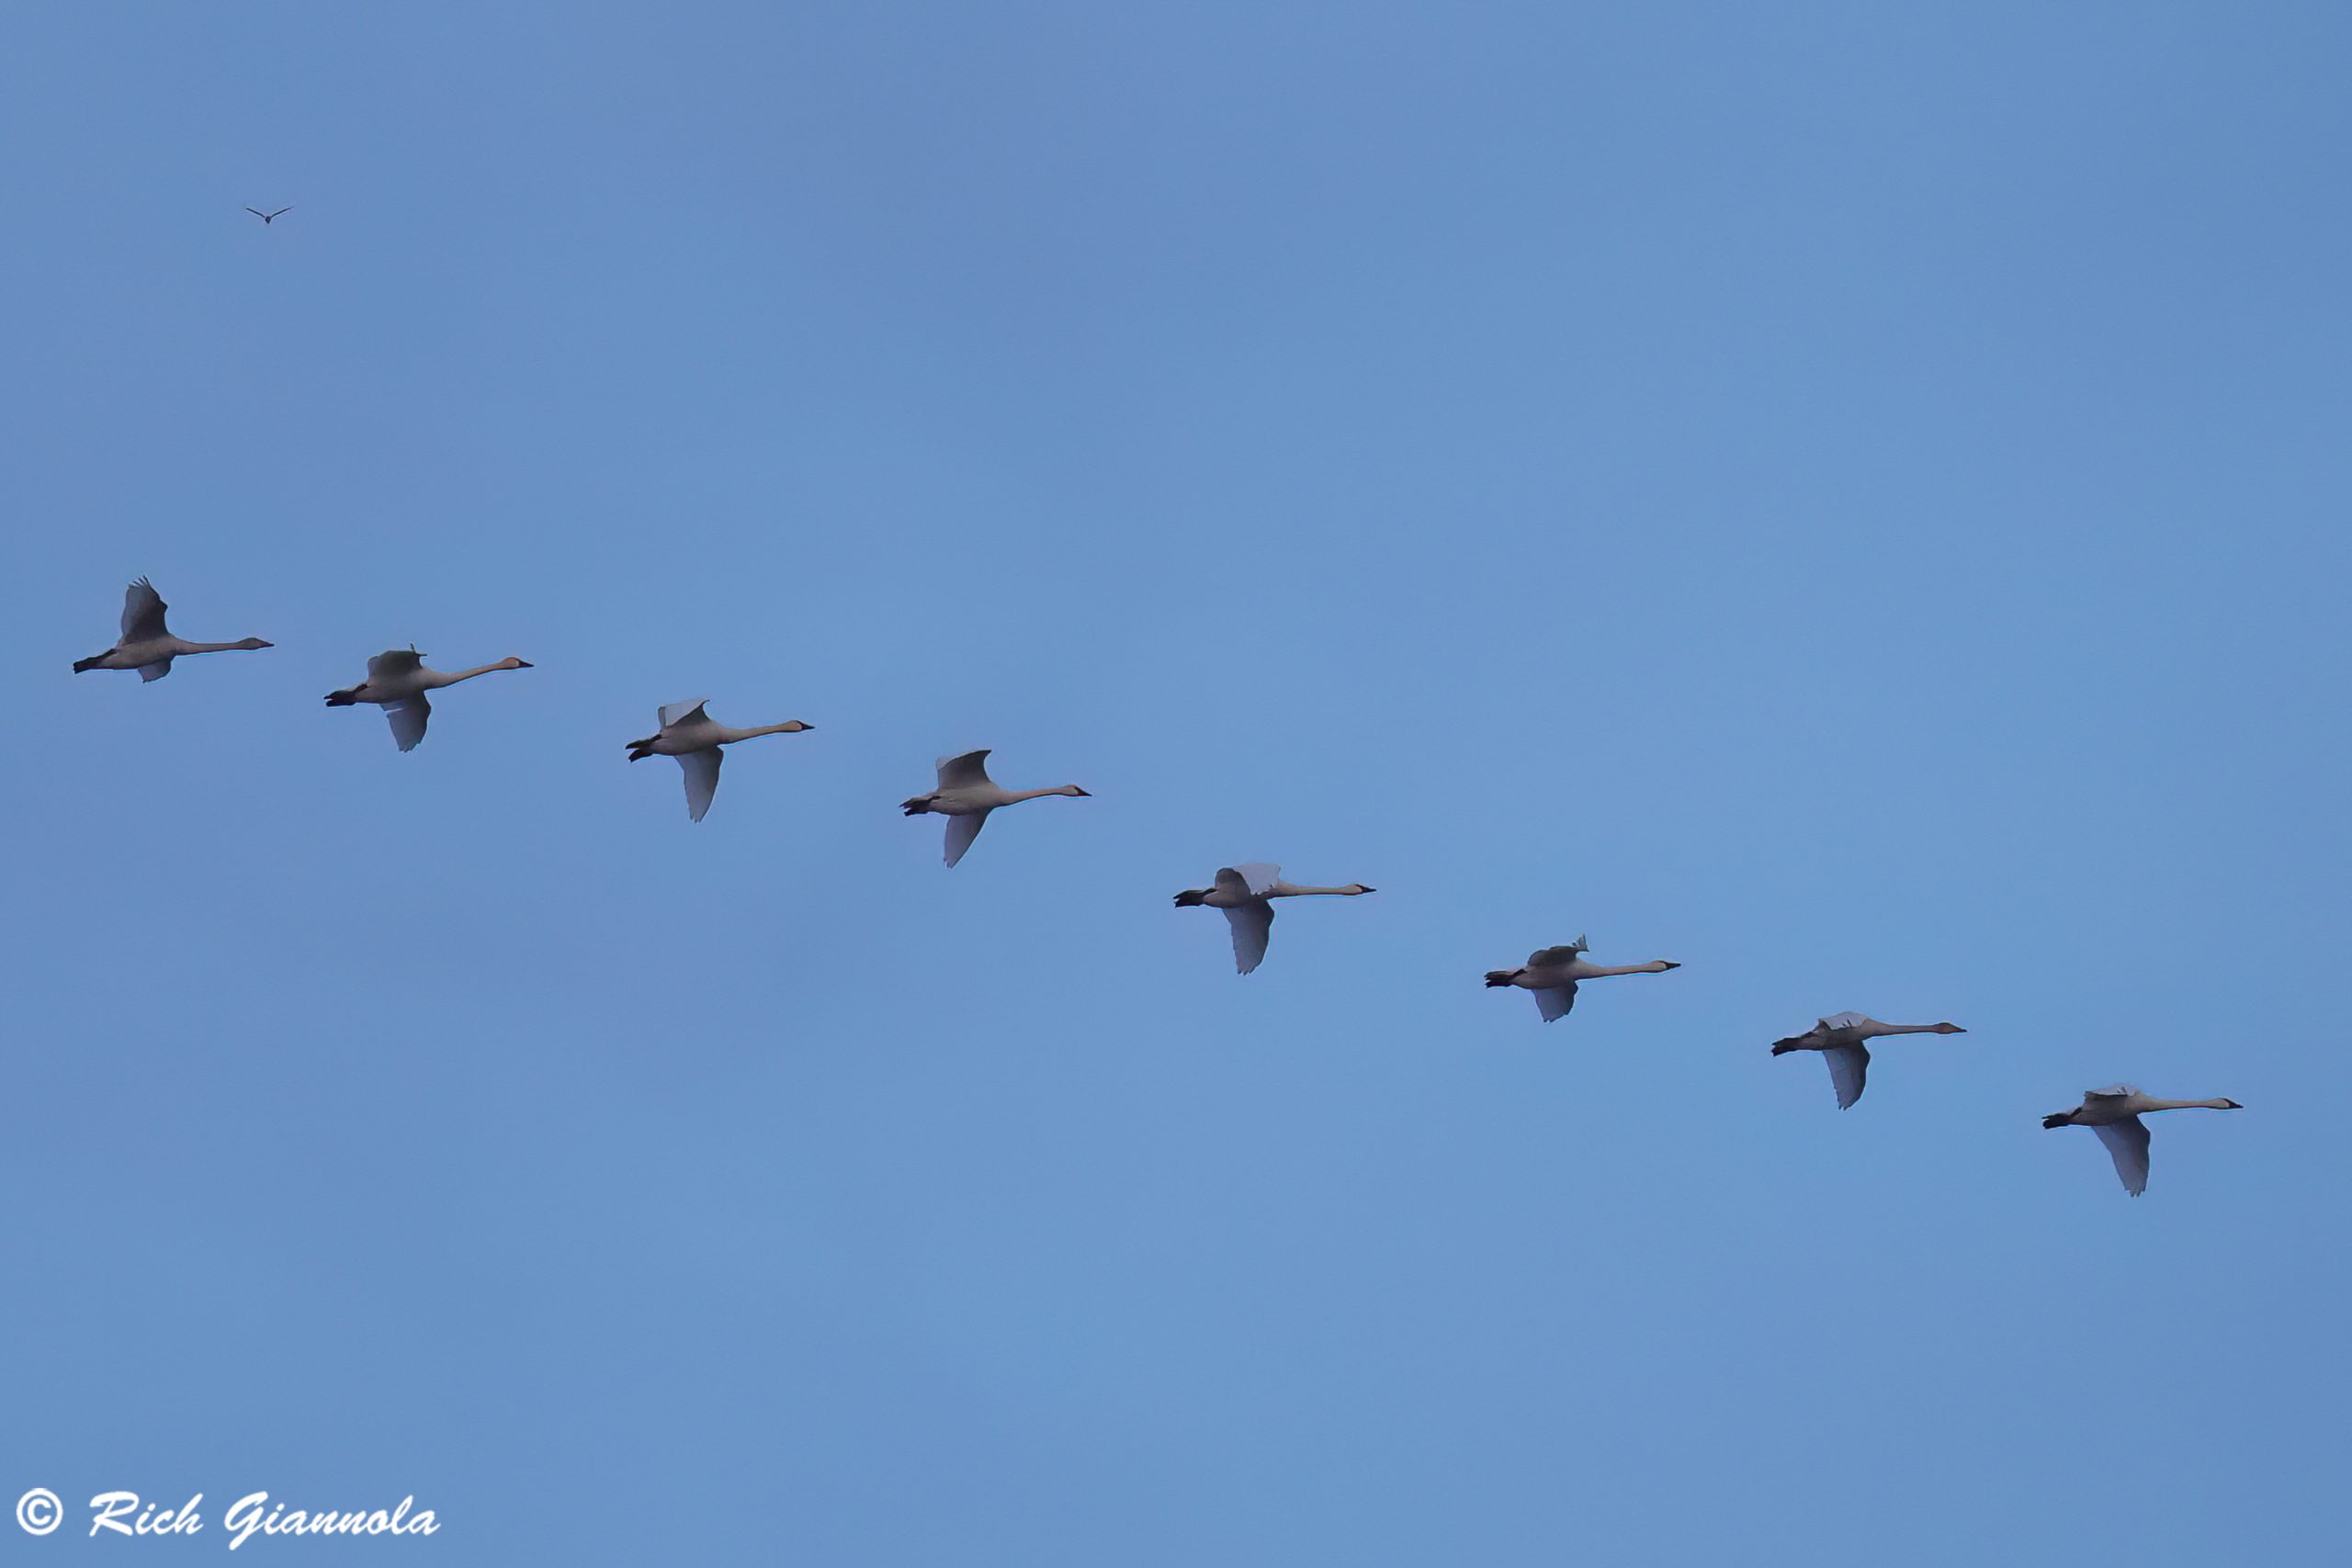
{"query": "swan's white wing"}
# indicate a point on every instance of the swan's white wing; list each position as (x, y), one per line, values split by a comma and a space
(1848, 1064)
(1551, 957)
(1232, 883)
(1252, 924)
(1846, 1020)
(961, 831)
(1258, 875)
(396, 662)
(1555, 1001)
(156, 672)
(407, 717)
(965, 772)
(2127, 1143)
(673, 713)
(142, 613)
(702, 779)
(2112, 1091)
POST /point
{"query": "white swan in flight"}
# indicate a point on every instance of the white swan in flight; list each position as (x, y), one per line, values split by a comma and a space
(397, 681)
(1551, 973)
(2114, 1114)
(966, 795)
(1244, 892)
(694, 738)
(147, 645)
(1839, 1039)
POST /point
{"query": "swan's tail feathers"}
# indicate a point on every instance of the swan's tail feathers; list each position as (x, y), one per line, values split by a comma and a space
(344, 698)
(1501, 977)
(92, 663)
(2060, 1119)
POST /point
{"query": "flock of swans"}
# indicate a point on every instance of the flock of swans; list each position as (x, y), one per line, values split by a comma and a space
(397, 681)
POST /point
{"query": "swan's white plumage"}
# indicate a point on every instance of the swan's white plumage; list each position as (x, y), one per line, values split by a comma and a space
(961, 831)
(1257, 876)
(1554, 1001)
(142, 614)
(2127, 1145)
(394, 663)
(701, 769)
(407, 718)
(1849, 1068)
(1252, 923)
(966, 769)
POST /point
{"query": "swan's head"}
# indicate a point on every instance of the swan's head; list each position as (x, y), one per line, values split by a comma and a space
(1073, 791)
(2232, 1105)
(1356, 888)
(1949, 1029)
(1192, 897)
(793, 727)
(512, 664)
(254, 642)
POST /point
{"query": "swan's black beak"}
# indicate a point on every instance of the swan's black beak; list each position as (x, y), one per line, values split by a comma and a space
(2234, 1105)
(524, 664)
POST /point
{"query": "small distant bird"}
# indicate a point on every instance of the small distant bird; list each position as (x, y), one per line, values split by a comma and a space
(694, 738)
(1839, 1039)
(1242, 892)
(269, 217)
(397, 681)
(2114, 1114)
(1551, 973)
(146, 645)
(966, 795)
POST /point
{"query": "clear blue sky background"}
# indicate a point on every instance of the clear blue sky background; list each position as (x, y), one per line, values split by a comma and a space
(1847, 497)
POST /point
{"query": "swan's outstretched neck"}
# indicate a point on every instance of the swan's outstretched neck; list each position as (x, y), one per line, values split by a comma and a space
(2194, 1105)
(456, 676)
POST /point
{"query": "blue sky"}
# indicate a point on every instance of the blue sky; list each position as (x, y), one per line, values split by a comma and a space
(1850, 498)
